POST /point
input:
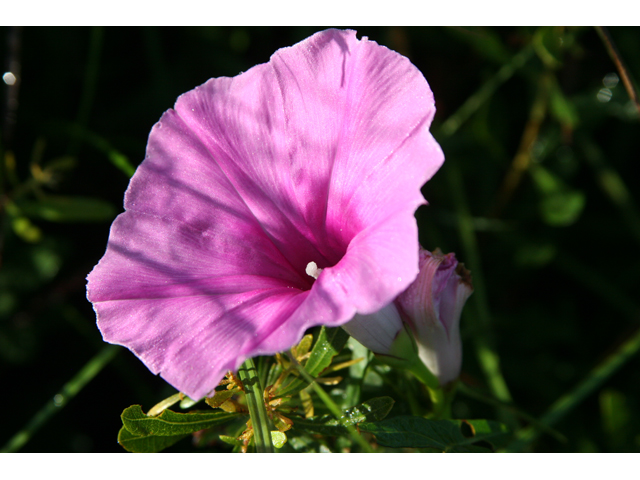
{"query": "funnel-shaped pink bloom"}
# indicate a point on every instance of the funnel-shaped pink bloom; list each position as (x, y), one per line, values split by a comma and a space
(316, 156)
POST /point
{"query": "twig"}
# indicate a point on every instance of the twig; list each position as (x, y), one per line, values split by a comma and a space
(620, 65)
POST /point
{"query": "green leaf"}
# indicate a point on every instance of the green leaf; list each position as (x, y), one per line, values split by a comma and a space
(57, 208)
(121, 162)
(146, 444)
(561, 108)
(441, 435)
(353, 382)
(547, 42)
(26, 230)
(231, 440)
(559, 204)
(330, 342)
(370, 411)
(616, 420)
(170, 423)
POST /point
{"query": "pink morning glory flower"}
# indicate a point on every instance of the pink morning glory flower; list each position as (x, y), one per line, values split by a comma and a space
(268, 203)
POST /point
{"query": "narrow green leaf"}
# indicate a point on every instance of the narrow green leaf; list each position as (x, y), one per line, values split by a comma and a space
(330, 342)
(57, 208)
(548, 44)
(231, 440)
(370, 411)
(170, 423)
(441, 435)
(121, 162)
(146, 444)
(561, 108)
(616, 420)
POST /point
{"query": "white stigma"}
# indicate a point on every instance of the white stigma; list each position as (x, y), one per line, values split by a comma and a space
(313, 270)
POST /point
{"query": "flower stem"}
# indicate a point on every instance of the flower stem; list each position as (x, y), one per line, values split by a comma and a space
(255, 402)
(331, 405)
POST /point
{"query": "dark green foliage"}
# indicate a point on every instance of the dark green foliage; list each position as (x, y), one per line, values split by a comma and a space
(440, 435)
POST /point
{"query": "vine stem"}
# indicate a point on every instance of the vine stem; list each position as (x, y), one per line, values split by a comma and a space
(331, 405)
(68, 391)
(255, 402)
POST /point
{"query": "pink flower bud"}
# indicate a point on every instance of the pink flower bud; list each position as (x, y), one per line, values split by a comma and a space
(432, 306)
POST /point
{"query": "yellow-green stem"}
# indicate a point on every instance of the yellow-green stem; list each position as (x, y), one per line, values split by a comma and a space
(255, 403)
(331, 405)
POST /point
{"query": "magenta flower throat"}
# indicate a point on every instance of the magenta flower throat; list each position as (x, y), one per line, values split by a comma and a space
(316, 156)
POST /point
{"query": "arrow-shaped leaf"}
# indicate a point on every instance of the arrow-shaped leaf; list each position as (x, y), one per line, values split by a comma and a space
(148, 444)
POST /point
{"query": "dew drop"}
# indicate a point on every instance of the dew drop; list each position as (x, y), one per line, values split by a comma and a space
(9, 78)
(610, 80)
(604, 95)
(58, 400)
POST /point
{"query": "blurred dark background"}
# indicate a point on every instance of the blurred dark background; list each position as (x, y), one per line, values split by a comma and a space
(546, 167)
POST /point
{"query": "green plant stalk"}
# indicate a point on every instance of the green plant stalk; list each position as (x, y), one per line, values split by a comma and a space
(612, 184)
(470, 392)
(561, 407)
(89, 84)
(331, 405)
(488, 357)
(255, 402)
(68, 391)
(440, 402)
(608, 291)
(455, 121)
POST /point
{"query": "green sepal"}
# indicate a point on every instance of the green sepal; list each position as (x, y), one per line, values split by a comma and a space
(440, 435)
(372, 410)
(170, 423)
(330, 342)
(146, 444)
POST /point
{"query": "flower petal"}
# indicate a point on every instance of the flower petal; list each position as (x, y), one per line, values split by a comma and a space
(318, 155)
